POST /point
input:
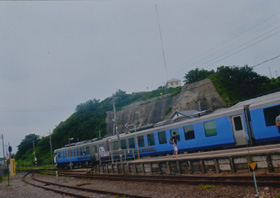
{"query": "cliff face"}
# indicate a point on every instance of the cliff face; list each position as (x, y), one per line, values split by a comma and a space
(200, 96)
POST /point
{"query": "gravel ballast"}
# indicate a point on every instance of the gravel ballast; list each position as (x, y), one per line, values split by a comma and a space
(19, 189)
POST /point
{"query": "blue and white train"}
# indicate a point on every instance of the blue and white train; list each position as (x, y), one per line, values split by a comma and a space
(248, 123)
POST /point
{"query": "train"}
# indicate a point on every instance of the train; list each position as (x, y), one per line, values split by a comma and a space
(247, 123)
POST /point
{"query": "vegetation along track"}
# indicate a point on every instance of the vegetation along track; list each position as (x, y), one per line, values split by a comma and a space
(262, 180)
(75, 190)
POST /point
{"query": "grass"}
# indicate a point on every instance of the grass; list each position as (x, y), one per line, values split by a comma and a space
(8, 186)
(208, 186)
(3, 177)
(38, 167)
(47, 174)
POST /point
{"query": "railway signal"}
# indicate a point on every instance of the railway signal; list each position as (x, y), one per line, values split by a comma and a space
(10, 149)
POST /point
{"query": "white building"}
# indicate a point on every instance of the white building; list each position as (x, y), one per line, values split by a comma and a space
(173, 83)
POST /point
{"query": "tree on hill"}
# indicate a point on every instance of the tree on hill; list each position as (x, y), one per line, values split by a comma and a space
(85, 123)
(197, 75)
(26, 144)
(235, 84)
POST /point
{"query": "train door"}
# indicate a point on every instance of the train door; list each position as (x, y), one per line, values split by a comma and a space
(92, 152)
(238, 129)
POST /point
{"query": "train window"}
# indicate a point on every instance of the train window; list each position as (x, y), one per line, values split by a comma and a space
(59, 155)
(87, 150)
(131, 142)
(176, 130)
(162, 137)
(81, 151)
(70, 153)
(141, 141)
(210, 128)
(115, 145)
(84, 151)
(123, 144)
(151, 139)
(189, 132)
(237, 123)
(270, 114)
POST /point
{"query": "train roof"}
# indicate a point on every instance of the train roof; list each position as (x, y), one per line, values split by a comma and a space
(258, 102)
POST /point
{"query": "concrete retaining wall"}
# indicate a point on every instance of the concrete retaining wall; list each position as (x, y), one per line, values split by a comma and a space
(265, 163)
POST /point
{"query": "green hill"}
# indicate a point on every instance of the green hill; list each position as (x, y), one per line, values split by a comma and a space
(234, 84)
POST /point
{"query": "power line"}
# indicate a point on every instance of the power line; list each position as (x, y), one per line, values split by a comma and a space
(266, 61)
(225, 42)
(244, 45)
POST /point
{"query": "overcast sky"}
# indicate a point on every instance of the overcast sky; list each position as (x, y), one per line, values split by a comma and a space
(55, 55)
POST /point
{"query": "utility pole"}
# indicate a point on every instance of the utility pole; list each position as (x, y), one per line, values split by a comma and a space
(10, 150)
(270, 72)
(35, 159)
(51, 147)
(70, 152)
(115, 116)
(3, 148)
(116, 128)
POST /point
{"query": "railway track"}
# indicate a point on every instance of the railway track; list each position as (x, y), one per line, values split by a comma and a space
(75, 191)
(262, 180)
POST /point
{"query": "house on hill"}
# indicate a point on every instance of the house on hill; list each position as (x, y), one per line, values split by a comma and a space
(173, 83)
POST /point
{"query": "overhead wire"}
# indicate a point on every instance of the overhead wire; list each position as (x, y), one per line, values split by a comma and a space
(242, 49)
(266, 61)
(231, 50)
(251, 28)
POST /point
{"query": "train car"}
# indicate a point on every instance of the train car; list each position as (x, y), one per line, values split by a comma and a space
(261, 119)
(80, 154)
(248, 122)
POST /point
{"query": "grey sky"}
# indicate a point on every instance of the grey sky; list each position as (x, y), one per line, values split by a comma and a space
(55, 55)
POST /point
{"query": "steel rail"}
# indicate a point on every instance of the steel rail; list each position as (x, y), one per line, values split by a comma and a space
(80, 189)
(264, 180)
(54, 190)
